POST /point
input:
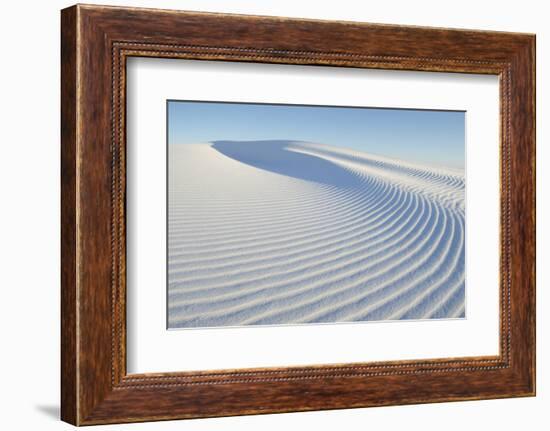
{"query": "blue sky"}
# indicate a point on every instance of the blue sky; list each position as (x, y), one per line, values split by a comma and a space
(435, 137)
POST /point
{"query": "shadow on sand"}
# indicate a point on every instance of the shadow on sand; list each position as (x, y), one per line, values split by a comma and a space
(275, 156)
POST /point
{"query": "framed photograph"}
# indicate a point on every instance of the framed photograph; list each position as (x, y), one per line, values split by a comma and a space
(264, 214)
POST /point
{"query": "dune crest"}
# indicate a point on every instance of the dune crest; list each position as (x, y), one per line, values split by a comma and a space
(289, 232)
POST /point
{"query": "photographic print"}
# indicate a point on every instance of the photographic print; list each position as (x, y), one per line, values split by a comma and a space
(300, 214)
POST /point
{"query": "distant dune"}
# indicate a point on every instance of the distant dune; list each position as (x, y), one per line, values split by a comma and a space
(286, 232)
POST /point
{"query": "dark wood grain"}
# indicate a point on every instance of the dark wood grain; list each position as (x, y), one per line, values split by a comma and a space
(96, 41)
(69, 398)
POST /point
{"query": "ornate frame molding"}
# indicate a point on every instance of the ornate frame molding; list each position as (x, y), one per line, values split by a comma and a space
(96, 41)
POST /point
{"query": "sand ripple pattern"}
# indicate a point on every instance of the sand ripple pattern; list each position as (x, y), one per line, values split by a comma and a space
(286, 232)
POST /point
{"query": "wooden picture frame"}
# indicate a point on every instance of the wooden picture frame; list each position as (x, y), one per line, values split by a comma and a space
(95, 43)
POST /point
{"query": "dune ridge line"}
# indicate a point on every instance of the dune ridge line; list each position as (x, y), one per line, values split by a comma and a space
(289, 232)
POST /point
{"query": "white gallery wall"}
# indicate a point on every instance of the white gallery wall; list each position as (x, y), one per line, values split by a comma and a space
(29, 215)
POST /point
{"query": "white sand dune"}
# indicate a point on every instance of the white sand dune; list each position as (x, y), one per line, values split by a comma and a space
(286, 232)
